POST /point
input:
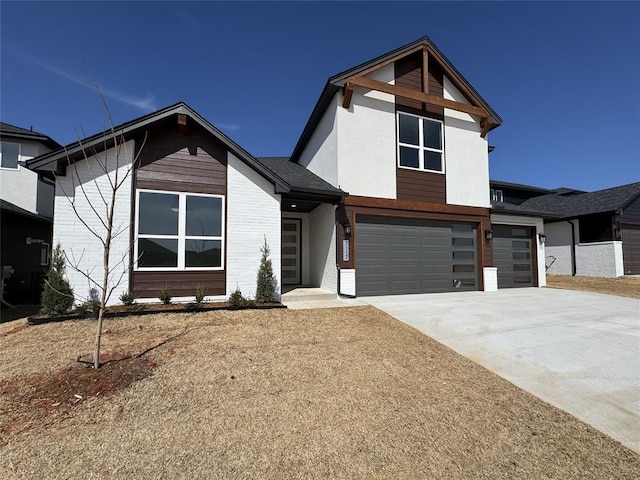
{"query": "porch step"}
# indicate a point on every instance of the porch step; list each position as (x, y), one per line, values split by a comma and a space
(306, 294)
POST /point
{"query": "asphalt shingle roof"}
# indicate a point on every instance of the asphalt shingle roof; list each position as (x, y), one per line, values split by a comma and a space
(11, 131)
(601, 201)
(298, 177)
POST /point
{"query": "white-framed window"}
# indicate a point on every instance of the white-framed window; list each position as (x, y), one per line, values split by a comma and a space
(179, 231)
(496, 195)
(420, 143)
(9, 155)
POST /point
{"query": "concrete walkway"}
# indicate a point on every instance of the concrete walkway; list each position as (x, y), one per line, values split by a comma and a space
(578, 351)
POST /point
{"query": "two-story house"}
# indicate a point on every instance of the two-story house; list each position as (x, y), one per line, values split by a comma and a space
(386, 192)
(26, 203)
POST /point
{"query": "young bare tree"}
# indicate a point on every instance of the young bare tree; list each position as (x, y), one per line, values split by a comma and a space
(97, 214)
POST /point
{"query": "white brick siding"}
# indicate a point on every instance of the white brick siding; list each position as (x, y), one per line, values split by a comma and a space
(253, 212)
(81, 247)
(322, 243)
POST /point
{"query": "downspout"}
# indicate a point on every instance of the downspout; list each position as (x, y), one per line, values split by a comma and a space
(573, 248)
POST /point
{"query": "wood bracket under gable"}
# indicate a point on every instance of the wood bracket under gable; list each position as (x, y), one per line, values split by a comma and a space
(360, 80)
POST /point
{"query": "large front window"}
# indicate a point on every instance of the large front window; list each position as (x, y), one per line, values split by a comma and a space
(420, 144)
(179, 231)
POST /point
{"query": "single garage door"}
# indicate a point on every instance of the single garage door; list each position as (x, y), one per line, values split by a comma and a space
(513, 255)
(631, 249)
(400, 256)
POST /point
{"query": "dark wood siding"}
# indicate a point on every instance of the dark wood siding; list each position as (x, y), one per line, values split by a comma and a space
(596, 228)
(412, 184)
(631, 249)
(178, 284)
(420, 186)
(192, 162)
(408, 73)
(181, 160)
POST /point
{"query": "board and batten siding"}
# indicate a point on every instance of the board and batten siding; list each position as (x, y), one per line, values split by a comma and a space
(83, 187)
(253, 215)
(192, 161)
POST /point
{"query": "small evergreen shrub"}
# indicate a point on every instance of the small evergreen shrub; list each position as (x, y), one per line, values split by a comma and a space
(89, 307)
(57, 296)
(266, 281)
(164, 296)
(127, 299)
(194, 306)
(200, 294)
(236, 299)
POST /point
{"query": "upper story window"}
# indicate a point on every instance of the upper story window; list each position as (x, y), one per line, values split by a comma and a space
(179, 231)
(496, 195)
(420, 143)
(9, 155)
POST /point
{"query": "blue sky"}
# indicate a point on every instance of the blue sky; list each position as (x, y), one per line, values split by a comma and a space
(564, 77)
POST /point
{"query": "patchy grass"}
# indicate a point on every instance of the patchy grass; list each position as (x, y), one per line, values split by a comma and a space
(335, 393)
(621, 286)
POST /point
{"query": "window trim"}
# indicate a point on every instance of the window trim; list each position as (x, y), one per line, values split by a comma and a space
(181, 236)
(495, 193)
(421, 147)
(18, 166)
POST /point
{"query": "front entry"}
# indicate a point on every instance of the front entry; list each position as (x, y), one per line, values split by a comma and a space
(290, 259)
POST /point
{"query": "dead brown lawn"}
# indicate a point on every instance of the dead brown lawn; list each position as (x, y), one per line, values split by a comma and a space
(621, 286)
(335, 393)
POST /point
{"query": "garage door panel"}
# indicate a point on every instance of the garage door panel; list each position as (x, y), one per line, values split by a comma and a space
(419, 256)
(513, 255)
(631, 249)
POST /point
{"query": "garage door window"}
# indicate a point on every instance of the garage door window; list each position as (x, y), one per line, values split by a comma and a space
(420, 143)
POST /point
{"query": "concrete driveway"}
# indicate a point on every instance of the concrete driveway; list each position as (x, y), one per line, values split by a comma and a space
(578, 351)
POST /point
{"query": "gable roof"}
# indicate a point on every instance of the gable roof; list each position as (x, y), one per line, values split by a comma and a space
(57, 160)
(610, 200)
(336, 82)
(299, 179)
(8, 131)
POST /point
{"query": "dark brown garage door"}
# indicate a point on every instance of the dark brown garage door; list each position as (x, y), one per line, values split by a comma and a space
(513, 255)
(631, 249)
(399, 256)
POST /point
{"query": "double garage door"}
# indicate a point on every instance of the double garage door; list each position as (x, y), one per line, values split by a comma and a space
(402, 256)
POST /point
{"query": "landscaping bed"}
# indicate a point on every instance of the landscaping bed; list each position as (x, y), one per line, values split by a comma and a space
(626, 286)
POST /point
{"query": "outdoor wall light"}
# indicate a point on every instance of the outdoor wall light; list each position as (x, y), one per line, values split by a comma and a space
(347, 229)
(542, 237)
(488, 235)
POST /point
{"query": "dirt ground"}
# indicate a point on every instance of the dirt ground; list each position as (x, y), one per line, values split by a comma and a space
(334, 393)
(621, 286)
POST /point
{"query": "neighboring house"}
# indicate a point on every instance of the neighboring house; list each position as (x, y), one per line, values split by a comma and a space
(592, 233)
(26, 203)
(386, 192)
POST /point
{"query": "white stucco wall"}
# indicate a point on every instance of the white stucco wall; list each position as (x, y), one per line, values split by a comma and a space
(80, 246)
(320, 155)
(322, 244)
(367, 141)
(602, 259)
(20, 186)
(304, 245)
(466, 155)
(558, 248)
(253, 213)
(540, 247)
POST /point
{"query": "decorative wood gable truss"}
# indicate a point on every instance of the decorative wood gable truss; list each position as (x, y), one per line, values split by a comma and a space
(475, 107)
